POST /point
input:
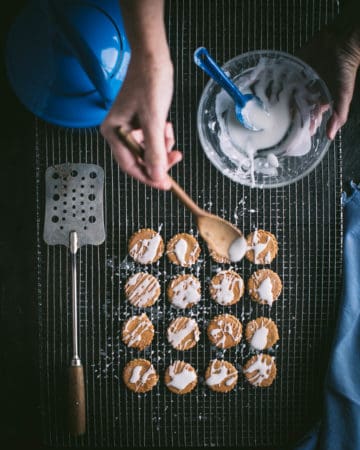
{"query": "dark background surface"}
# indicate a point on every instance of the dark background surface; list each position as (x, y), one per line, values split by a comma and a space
(20, 424)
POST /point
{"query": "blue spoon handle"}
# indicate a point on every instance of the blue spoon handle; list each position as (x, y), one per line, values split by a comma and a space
(208, 65)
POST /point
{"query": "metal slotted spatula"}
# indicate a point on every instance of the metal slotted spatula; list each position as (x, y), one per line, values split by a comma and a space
(74, 217)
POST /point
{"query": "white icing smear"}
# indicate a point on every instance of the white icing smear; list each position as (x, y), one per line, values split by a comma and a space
(259, 339)
(265, 291)
(237, 249)
(144, 251)
(180, 250)
(181, 379)
(176, 336)
(135, 375)
(221, 375)
(186, 293)
(261, 369)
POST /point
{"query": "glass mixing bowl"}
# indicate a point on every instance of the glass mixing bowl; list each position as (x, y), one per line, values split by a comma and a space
(298, 105)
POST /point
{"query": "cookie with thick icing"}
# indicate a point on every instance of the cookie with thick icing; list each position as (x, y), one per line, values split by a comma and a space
(224, 331)
(180, 377)
(226, 287)
(138, 332)
(183, 250)
(261, 333)
(260, 370)
(183, 333)
(262, 247)
(184, 291)
(142, 290)
(146, 246)
(221, 376)
(140, 376)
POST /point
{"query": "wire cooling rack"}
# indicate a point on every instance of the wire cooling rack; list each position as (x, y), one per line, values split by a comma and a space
(305, 217)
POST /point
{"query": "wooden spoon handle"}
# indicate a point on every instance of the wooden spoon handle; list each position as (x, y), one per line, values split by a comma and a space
(76, 400)
(138, 151)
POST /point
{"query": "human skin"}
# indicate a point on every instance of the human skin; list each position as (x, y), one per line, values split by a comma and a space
(143, 102)
(334, 53)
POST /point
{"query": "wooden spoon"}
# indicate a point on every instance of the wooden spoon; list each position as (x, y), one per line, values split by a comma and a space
(225, 242)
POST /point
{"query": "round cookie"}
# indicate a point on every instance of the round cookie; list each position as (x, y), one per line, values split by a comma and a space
(142, 290)
(140, 376)
(183, 250)
(221, 376)
(183, 333)
(260, 370)
(262, 247)
(180, 377)
(264, 286)
(261, 333)
(138, 332)
(224, 331)
(226, 287)
(184, 291)
(146, 246)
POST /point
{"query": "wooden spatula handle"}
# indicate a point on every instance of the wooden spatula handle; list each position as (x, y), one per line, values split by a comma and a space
(138, 151)
(76, 401)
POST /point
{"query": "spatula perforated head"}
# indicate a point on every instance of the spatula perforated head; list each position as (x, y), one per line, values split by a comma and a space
(74, 202)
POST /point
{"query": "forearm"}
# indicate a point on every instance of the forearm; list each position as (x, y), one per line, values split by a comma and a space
(145, 28)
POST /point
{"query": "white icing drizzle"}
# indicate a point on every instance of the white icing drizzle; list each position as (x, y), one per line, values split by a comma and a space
(267, 258)
(176, 336)
(134, 336)
(265, 291)
(220, 375)
(259, 338)
(237, 249)
(225, 329)
(258, 247)
(185, 293)
(145, 288)
(144, 251)
(180, 380)
(261, 369)
(180, 250)
(224, 293)
(136, 376)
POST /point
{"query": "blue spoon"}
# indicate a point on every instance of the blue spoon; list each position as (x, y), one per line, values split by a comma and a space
(208, 65)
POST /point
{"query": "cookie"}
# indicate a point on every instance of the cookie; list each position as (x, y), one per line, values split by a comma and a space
(264, 286)
(218, 258)
(221, 376)
(224, 331)
(146, 246)
(183, 249)
(262, 247)
(180, 377)
(140, 376)
(184, 291)
(261, 333)
(226, 287)
(138, 332)
(142, 290)
(183, 333)
(260, 370)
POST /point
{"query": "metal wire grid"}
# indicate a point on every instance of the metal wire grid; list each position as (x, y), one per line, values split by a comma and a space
(305, 217)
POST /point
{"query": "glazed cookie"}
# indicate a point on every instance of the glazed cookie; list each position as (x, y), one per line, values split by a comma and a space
(142, 290)
(261, 333)
(260, 370)
(180, 377)
(184, 291)
(140, 376)
(183, 333)
(183, 249)
(226, 287)
(262, 247)
(224, 331)
(146, 246)
(138, 332)
(221, 376)
(264, 286)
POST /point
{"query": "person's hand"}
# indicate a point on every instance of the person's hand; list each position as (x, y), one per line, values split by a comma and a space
(335, 56)
(142, 107)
